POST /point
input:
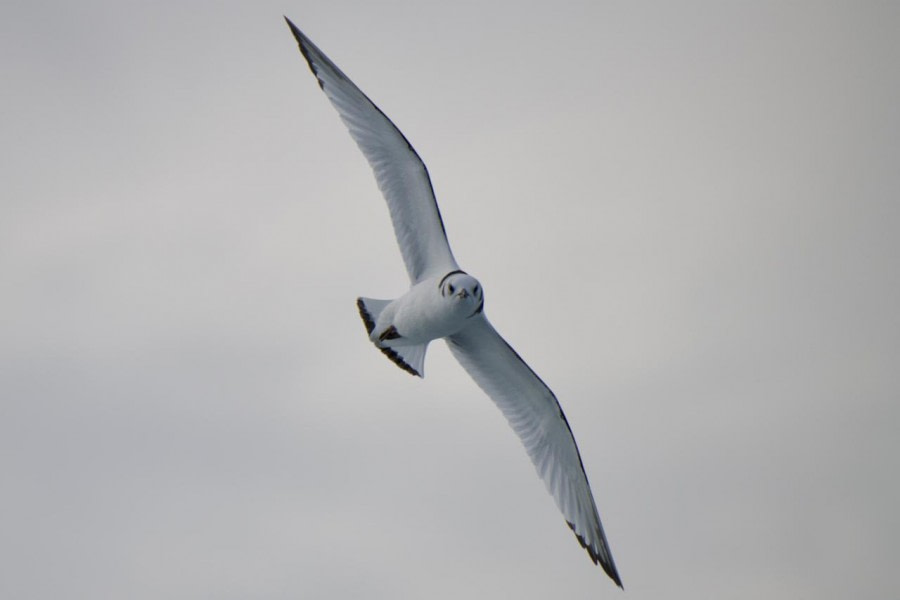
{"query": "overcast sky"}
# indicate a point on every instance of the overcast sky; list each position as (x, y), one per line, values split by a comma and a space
(686, 219)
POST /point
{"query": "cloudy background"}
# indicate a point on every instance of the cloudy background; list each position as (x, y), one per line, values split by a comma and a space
(686, 220)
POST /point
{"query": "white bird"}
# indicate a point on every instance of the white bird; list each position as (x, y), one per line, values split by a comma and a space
(445, 302)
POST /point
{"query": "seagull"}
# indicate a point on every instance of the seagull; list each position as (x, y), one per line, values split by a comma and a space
(444, 301)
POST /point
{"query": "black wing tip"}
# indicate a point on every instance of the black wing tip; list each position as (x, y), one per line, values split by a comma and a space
(608, 566)
(304, 44)
(294, 29)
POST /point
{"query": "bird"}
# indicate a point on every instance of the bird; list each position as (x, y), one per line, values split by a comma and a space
(444, 301)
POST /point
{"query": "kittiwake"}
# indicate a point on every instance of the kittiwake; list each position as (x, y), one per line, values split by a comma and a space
(445, 302)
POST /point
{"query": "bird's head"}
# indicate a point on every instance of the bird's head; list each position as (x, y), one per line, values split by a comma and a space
(465, 289)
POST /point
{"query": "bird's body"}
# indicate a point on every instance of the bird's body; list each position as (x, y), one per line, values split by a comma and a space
(429, 311)
(444, 302)
(435, 308)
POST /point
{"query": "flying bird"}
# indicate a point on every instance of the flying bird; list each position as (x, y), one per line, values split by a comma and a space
(446, 302)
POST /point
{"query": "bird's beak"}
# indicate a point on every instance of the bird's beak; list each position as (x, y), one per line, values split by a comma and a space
(463, 293)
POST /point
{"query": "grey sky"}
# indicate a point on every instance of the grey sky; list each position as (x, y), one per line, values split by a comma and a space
(686, 219)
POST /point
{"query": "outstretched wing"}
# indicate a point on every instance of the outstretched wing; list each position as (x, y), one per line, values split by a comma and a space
(534, 413)
(400, 173)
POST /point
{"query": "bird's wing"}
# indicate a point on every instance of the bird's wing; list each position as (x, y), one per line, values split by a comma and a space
(534, 413)
(400, 173)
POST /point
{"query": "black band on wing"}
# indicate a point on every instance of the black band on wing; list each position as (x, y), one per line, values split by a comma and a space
(390, 333)
(398, 360)
(366, 317)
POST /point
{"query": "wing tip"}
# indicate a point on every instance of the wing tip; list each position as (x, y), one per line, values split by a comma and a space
(294, 29)
(304, 43)
(606, 563)
(398, 360)
(369, 322)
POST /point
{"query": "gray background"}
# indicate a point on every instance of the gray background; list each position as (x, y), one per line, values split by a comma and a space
(686, 220)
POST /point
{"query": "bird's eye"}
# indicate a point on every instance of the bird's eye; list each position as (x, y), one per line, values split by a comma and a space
(451, 288)
(475, 289)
